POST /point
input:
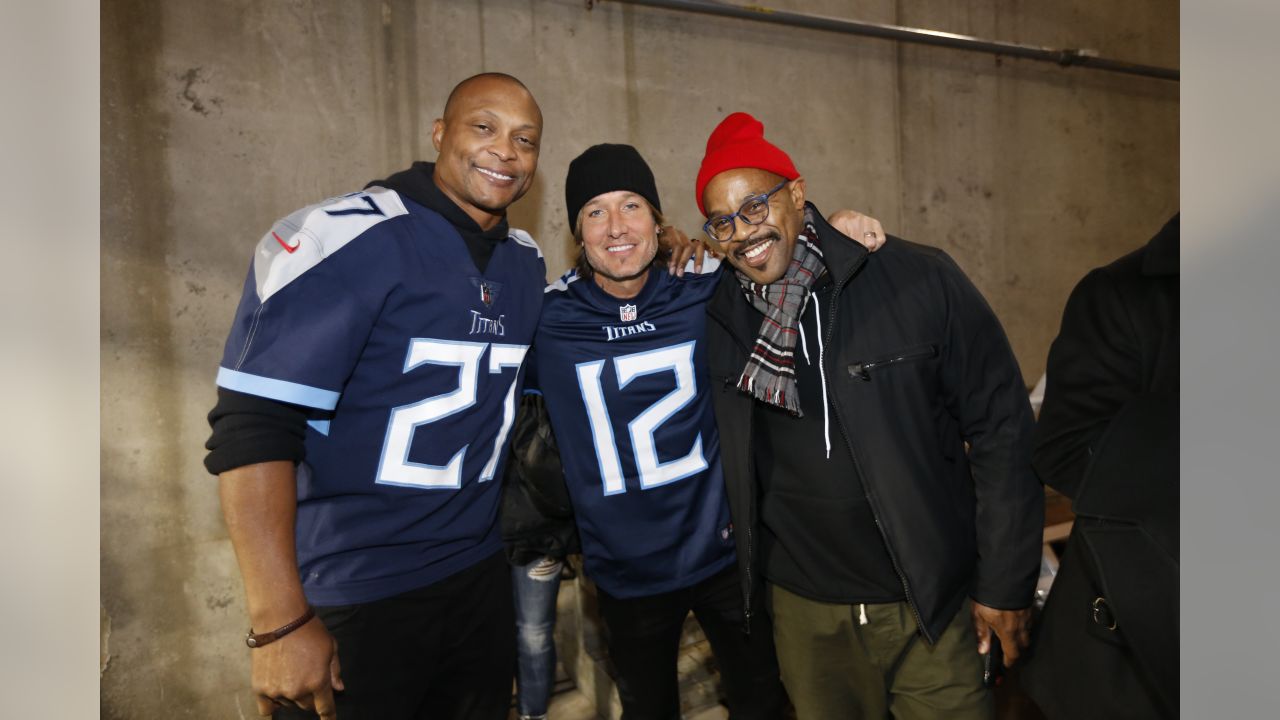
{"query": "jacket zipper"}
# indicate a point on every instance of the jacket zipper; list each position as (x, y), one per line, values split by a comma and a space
(862, 370)
(866, 486)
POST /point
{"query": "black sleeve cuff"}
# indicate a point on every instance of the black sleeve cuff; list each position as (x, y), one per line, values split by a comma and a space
(248, 429)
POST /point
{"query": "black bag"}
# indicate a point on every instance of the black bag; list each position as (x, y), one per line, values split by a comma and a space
(537, 515)
(536, 458)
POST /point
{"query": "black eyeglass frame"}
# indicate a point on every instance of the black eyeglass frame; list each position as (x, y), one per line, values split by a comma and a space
(733, 227)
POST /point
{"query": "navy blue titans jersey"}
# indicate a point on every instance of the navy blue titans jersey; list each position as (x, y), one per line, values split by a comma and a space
(368, 310)
(625, 386)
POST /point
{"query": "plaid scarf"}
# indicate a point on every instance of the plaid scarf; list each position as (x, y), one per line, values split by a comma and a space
(770, 372)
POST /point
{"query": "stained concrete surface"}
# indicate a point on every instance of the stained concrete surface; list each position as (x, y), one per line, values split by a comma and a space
(218, 118)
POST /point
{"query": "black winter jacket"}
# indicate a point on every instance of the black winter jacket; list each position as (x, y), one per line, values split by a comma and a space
(1106, 645)
(537, 515)
(917, 365)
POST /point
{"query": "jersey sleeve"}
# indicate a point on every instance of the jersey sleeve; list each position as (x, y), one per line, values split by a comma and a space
(310, 301)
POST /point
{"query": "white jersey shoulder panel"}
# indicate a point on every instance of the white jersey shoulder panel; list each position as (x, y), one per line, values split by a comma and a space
(300, 241)
(524, 238)
(709, 265)
(562, 284)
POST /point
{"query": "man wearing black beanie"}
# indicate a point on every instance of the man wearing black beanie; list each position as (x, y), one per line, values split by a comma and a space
(606, 168)
(621, 361)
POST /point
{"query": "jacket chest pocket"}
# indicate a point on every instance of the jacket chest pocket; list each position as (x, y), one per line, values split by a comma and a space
(866, 370)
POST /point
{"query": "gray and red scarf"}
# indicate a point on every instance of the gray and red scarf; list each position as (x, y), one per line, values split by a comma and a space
(770, 373)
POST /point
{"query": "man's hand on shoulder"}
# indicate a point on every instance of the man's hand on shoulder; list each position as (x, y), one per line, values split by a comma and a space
(298, 670)
(863, 228)
(682, 247)
(1012, 626)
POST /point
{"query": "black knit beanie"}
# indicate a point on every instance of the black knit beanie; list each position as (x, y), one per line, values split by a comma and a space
(606, 168)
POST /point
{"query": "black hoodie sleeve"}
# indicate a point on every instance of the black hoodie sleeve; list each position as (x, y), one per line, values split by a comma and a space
(248, 429)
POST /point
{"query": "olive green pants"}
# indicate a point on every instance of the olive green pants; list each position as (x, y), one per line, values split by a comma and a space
(835, 666)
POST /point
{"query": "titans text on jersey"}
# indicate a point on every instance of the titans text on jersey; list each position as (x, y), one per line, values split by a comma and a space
(404, 353)
(613, 332)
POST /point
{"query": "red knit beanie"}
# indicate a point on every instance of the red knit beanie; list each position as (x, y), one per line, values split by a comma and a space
(738, 142)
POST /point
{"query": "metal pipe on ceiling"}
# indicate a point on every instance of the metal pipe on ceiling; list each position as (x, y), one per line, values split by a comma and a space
(1079, 57)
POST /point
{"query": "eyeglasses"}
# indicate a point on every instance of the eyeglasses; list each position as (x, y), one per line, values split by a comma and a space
(754, 211)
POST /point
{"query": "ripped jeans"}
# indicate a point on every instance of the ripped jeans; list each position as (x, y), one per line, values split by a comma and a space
(535, 586)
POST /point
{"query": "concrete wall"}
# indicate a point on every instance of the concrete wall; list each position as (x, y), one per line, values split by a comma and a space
(219, 117)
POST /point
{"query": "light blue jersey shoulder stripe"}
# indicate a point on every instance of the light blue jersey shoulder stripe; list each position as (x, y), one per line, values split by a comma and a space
(281, 390)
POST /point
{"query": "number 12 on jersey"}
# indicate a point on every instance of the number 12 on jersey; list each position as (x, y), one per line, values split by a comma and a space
(677, 359)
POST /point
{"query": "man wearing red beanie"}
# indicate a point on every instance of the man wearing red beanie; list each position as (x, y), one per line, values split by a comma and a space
(875, 434)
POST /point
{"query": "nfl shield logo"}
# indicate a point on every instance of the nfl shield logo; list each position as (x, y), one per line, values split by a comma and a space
(627, 313)
(489, 290)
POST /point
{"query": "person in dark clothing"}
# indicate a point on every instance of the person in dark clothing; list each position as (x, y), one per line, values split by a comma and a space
(539, 533)
(1107, 642)
(875, 434)
(364, 402)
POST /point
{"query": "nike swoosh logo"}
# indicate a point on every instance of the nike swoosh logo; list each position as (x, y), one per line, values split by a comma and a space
(287, 247)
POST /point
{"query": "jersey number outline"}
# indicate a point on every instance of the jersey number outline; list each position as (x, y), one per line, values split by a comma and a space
(370, 209)
(394, 466)
(677, 359)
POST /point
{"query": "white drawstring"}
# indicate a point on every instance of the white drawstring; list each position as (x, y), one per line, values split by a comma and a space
(804, 345)
(826, 408)
(862, 618)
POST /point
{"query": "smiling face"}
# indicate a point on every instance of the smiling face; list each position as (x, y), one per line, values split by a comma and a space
(619, 233)
(488, 145)
(761, 252)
